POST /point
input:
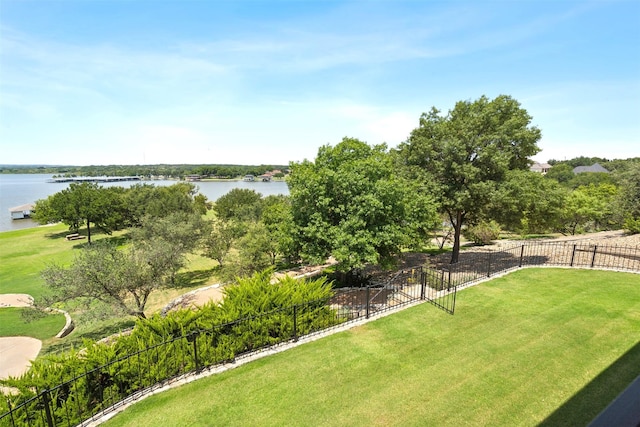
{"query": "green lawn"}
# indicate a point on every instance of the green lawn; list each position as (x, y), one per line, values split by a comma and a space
(13, 324)
(550, 346)
(24, 253)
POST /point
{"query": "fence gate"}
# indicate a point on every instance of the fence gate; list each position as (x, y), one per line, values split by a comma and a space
(438, 289)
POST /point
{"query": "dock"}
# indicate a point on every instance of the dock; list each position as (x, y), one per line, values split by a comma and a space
(95, 179)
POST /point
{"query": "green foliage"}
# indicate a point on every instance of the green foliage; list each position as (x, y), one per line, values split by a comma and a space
(277, 217)
(122, 279)
(590, 208)
(561, 172)
(256, 250)
(240, 204)
(180, 228)
(527, 203)
(218, 239)
(351, 204)
(467, 154)
(83, 203)
(483, 233)
(632, 225)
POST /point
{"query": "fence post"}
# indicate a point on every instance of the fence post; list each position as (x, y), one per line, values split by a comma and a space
(47, 408)
(423, 283)
(449, 281)
(489, 265)
(593, 259)
(13, 421)
(368, 302)
(521, 255)
(573, 255)
(441, 281)
(295, 323)
(194, 336)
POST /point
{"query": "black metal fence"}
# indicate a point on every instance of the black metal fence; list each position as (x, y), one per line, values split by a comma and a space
(479, 265)
(87, 395)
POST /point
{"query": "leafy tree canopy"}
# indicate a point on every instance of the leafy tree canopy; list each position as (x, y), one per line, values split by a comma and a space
(351, 204)
(528, 203)
(240, 204)
(120, 279)
(83, 204)
(468, 152)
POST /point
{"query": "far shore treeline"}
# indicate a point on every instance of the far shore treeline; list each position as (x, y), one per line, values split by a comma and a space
(223, 171)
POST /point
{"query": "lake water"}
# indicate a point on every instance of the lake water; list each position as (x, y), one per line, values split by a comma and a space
(20, 189)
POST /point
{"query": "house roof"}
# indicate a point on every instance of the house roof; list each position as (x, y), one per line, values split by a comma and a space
(596, 167)
(540, 166)
(22, 208)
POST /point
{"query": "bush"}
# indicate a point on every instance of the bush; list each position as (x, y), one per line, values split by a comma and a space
(632, 225)
(483, 232)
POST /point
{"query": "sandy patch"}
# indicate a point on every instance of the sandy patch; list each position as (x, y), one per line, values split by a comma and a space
(198, 297)
(16, 354)
(208, 295)
(16, 300)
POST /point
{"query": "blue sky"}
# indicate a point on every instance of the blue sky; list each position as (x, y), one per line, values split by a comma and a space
(247, 82)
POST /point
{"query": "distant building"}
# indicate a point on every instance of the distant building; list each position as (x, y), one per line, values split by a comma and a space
(596, 167)
(22, 211)
(249, 178)
(542, 168)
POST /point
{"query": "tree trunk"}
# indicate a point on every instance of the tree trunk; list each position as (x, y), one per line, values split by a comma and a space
(457, 231)
(88, 231)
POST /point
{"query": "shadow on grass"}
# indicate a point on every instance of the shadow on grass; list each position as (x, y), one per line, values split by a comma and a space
(190, 279)
(95, 236)
(585, 405)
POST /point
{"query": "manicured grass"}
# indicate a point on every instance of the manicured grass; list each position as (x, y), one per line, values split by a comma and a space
(24, 253)
(550, 346)
(13, 324)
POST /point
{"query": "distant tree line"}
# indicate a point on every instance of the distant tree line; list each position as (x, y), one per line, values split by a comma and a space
(169, 171)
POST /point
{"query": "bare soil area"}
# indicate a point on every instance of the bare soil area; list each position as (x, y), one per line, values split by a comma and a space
(16, 354)
(15, 300)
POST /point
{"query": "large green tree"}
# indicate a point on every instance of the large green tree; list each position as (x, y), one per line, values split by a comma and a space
(351, 204)
(146, 200)
(81, 204)
(468, 152)
(240, 204)
(586, 207)
(122, 279)
(527, 202)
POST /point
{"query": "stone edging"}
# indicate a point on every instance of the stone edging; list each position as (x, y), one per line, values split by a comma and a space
(69, 326)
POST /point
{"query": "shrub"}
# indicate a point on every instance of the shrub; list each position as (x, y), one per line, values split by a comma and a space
(632, 225)
(483, 232)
